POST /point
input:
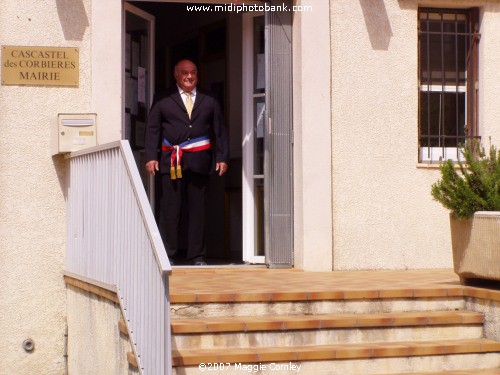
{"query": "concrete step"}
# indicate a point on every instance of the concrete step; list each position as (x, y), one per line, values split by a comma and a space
(188, 310)
(353, 323)
(479, 353)
(464, 364)
(488, 371)
(246, 332)
(301, 293)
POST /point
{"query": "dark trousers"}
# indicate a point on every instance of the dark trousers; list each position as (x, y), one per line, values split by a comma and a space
(191, 191)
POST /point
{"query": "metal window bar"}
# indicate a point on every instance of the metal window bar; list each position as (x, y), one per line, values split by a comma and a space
(442, 118)
(472, 70)
(457, 130)
(428, 92)
(112, 239)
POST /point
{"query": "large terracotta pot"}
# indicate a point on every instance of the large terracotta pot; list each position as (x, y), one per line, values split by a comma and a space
(476, 246)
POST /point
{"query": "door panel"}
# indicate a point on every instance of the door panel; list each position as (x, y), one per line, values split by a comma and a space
(138, 84)
(254, 101)
(278, 156)
(267, 139)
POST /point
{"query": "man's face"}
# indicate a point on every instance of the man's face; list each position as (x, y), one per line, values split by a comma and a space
(186, 75)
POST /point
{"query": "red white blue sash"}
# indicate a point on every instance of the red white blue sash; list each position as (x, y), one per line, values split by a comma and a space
(193, 145)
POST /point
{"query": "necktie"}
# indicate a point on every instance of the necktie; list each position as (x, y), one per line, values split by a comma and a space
(189, 103)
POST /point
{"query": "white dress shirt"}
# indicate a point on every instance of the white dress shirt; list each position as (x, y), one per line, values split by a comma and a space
(183, 96)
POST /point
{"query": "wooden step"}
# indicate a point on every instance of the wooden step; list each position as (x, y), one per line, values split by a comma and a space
(333, 352)
(304, 322)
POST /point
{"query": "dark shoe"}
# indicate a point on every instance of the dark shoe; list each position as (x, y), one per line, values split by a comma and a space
(200, 263)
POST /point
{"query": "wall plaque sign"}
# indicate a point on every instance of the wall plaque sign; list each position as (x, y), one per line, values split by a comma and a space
(43, 66)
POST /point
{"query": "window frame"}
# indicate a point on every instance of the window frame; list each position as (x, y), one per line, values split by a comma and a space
(437, 154)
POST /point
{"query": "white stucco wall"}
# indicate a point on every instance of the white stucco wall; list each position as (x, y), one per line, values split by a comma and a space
(489, 76)
(95, 344)
(32, 185)
(361, 201)
(383, 214)
(32, 182)
(312, 137)
(107, 90)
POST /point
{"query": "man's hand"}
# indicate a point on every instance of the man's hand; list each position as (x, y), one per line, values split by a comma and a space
(152, 166)
(221, 168)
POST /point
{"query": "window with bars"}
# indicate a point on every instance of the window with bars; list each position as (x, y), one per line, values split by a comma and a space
(448, 64)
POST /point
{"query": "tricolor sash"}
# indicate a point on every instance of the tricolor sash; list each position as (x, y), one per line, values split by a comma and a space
(193, 145)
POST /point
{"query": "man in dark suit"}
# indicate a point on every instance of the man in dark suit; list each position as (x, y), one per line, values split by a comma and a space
(187, 124)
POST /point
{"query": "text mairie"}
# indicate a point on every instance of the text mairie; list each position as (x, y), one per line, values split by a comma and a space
(40, 76)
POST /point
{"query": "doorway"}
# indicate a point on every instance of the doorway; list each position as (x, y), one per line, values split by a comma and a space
(230, 52)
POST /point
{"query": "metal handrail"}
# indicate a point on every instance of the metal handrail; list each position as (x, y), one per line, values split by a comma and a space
(112, 238)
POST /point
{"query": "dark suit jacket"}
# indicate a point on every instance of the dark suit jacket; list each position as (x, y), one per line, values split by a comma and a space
(169, 119)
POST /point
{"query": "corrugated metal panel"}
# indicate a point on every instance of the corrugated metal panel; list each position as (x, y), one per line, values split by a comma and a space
(279, 156)
(113, 239)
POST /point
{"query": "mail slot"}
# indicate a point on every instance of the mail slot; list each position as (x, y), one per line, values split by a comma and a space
(74, 132)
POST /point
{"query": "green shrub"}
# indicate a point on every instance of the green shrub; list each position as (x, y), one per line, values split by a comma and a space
(476, 188)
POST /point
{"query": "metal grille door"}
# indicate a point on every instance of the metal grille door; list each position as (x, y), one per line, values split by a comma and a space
(278, 138)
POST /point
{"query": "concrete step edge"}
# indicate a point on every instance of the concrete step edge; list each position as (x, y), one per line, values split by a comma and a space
(324, 321)
(226, 310)
(256, 339)
(333, 352)
(489, 371)
(320, 295)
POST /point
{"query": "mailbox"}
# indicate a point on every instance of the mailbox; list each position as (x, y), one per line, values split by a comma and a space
(74, 132)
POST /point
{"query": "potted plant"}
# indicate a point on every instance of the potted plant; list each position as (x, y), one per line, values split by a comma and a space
(471, 191)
